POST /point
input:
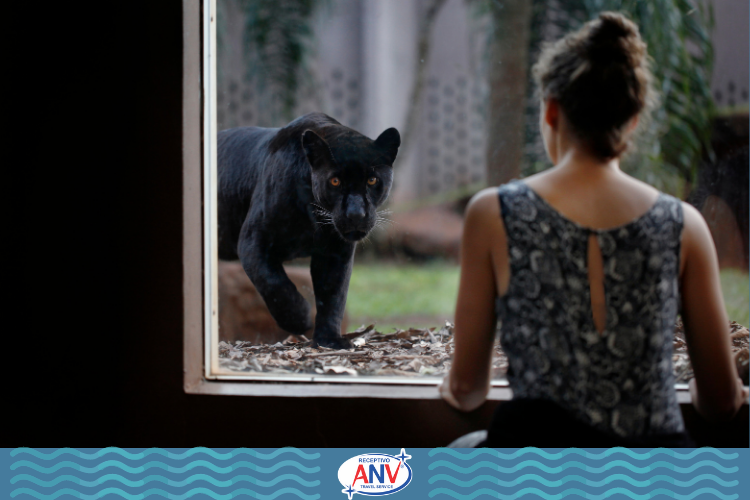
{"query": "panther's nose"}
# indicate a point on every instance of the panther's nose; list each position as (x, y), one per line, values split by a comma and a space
(355, 209)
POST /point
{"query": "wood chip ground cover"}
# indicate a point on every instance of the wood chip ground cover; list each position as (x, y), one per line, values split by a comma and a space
(408, 353)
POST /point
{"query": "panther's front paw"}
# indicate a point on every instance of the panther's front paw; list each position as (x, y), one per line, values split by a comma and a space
(332, 342)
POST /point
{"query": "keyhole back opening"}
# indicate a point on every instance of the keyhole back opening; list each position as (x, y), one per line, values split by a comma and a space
(596, 284)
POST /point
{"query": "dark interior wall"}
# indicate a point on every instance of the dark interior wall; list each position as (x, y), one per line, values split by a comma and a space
(109, 369)
(97, 355)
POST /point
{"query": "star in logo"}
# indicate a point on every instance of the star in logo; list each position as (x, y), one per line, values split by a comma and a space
(349, 491)
(403, 456)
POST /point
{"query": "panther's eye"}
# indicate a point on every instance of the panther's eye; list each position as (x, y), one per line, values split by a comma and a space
(372, 181)
(335, 181)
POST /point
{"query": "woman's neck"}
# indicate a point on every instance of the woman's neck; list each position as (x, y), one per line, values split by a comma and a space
(575, 159)
(570, 154)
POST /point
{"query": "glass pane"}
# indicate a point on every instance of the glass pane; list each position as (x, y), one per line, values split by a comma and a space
(453, 77)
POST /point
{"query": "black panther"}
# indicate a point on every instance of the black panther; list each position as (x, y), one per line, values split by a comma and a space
(309, 189)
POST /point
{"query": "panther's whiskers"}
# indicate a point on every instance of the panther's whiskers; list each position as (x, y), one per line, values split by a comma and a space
(380, 220)
(320, 209)
(325, 215)
(383, 222)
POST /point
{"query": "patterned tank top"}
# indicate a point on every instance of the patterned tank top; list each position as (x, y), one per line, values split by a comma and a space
(620, 380)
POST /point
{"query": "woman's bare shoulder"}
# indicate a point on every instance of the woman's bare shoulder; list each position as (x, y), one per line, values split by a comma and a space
(691, 214)
(484, 204)
(697, 243)
(482, 222)
(640, 185)
(694, 225)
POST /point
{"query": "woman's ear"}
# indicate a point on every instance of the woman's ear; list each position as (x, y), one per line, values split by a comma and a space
(551, 112)
(549, 126)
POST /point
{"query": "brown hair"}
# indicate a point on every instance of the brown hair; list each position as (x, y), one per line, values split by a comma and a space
(601, 78)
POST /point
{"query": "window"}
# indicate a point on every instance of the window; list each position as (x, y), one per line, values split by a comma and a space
(420, 66)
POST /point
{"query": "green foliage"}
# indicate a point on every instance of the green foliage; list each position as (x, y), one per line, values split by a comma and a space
(671, 144)
(277, 36)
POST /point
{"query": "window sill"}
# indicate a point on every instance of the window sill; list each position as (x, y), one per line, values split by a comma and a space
(313, 389)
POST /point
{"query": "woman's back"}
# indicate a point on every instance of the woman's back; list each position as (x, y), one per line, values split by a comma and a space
(617, 375)
(596, 196)
(591, 195)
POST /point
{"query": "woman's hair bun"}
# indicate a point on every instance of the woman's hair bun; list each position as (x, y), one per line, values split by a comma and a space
(614, 38)
(612, 26)
(600, 76)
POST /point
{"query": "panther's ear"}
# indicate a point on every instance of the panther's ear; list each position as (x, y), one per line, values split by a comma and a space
(317, 150)
(388, 142)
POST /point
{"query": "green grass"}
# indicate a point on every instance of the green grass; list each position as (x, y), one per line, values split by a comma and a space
(735, 287)
(383, 293)
(412, 295)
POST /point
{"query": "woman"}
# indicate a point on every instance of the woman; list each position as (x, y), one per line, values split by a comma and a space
(585, 267)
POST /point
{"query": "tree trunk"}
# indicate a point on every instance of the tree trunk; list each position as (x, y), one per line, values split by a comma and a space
(423, 53)
(508, 76)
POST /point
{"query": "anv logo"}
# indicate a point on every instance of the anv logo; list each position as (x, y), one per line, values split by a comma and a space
(375, 474)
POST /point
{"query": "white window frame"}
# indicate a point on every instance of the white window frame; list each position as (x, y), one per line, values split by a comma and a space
(200, 253)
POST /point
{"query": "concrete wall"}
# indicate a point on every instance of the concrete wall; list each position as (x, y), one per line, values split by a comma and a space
(364, 65)
(731, 37)
(362, 73)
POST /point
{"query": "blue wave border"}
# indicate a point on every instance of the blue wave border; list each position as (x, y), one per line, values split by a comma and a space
(590, 474)
(311, 474)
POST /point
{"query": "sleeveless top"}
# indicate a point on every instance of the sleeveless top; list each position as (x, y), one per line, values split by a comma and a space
(621, 380)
